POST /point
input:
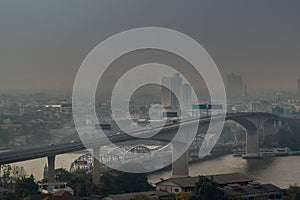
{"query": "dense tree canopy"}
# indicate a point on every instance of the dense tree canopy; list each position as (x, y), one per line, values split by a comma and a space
(80, 181)
(206, 189)
(121, 182)
(24, 187)
(16, 180)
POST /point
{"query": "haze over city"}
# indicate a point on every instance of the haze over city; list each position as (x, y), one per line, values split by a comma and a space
(44, 43)
(149, 100)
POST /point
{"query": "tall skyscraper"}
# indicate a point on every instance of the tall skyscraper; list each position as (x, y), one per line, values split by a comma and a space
(234, 87)
(186, 96)
(165, 92)
(299, 87)
(176, 86)
(170, 98)
(245, 92)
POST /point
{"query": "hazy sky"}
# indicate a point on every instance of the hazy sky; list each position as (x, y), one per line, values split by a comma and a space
(42, 43)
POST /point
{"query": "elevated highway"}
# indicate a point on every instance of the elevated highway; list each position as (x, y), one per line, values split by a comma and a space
(253, 122)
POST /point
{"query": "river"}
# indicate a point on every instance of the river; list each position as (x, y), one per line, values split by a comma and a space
(281, 171)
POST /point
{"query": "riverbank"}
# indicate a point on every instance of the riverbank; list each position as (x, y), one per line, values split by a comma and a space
(280, 171)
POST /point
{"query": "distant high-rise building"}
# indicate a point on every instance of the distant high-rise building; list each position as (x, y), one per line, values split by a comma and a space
(234, 86)
(170, 97)
(186, 96)
(176, 86)
(165, 92)
(299, 87)
(245, 92)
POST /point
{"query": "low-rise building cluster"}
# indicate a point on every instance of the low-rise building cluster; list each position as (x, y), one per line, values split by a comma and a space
(233, 185)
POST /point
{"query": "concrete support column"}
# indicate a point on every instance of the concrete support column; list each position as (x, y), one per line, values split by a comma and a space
(252, 150)
(96, 167)
(51, 169)
(180, 167)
